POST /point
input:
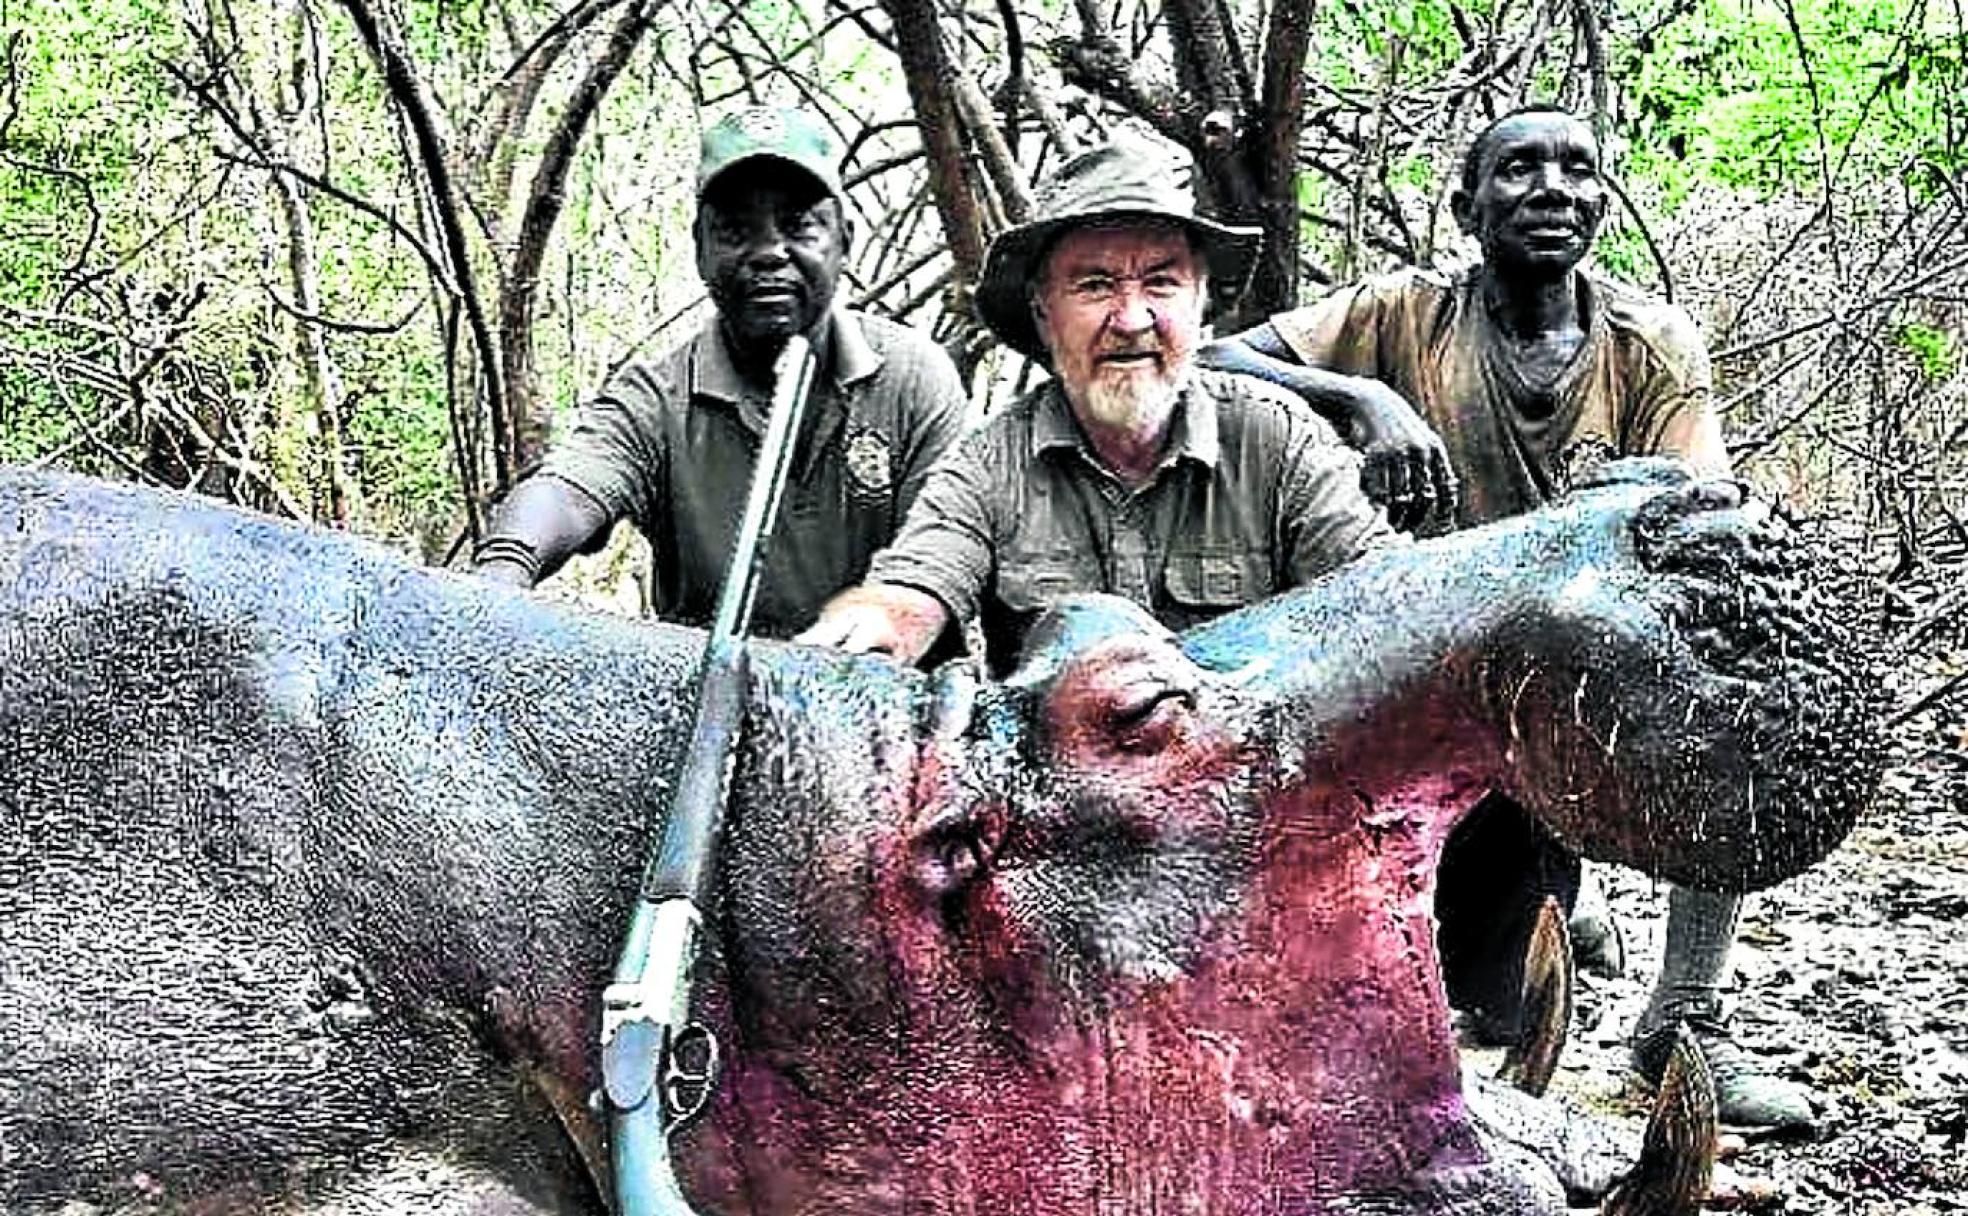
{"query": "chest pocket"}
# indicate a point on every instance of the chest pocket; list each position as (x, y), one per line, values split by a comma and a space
(1210, 581)
(1032, 582)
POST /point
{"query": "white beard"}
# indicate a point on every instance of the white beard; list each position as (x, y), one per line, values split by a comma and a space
(1131, 403)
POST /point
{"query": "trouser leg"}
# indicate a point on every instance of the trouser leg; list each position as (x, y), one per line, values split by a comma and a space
(1497, 868)
(1701, 930)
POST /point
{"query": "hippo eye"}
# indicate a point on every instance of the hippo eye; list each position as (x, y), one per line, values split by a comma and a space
(1143, 717)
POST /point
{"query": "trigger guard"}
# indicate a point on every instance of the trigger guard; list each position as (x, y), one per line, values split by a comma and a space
(679, 1078)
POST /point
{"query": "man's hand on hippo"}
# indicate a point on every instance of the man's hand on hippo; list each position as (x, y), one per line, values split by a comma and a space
(880, 618)
(1403, 465)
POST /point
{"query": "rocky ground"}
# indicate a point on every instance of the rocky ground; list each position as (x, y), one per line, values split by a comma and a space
(1852, 978)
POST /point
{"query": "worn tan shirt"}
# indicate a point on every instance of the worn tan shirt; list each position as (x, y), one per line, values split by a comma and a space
(670, 445)
(1256, 495)
(1638, 386)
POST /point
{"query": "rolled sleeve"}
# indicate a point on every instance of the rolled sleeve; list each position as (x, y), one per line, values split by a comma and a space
(613, 450)
(947, 544)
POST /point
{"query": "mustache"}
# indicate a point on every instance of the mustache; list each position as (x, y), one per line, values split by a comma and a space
(1552, 217)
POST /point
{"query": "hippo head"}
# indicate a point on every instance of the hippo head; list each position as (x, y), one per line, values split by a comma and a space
(1147, 927)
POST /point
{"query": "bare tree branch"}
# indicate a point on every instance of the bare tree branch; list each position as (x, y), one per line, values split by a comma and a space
(491, 160)
(260, 158)
(1818, 127)
(1593, 41)
(543, 206)
(1104, 68)
(992, 148)
(406, 88)
(358, 328)
(1274, 149)
(927, 69)
(1646, 234)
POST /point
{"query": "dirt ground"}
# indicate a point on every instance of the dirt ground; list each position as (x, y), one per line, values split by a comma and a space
(1852, 978)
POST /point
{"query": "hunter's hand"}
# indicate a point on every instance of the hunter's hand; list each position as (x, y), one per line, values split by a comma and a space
(1404, 466)
(900, 622)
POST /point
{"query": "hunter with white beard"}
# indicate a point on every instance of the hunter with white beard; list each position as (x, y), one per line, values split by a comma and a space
(1132, 471)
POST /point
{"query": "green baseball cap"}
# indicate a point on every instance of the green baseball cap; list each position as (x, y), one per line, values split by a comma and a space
(794, 136)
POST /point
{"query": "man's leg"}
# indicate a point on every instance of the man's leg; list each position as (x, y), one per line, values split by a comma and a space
(1597, 944)
(1497, 868)
(1701, 927)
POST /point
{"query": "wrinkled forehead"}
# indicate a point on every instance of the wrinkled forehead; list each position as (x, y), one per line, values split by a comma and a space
(1129, 246)
(1541, 135)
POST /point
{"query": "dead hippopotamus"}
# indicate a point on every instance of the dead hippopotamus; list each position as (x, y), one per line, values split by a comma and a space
(313, 863)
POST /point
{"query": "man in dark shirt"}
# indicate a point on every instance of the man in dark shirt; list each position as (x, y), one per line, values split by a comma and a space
(1534, 369)
(671, 444)
(1131, 471)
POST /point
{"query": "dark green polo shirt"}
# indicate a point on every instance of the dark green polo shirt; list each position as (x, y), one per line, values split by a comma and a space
(1256, 495)
(670, 445)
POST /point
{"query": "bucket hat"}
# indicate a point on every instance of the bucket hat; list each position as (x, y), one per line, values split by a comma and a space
(794, 136)
(1116, 181)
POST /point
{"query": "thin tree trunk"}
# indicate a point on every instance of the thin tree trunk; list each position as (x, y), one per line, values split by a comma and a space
(926, 66)
(543, 207)
(1274, 155)
(406, 88)
(324, 391)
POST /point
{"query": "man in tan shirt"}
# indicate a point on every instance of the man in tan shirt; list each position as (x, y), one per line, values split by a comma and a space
(1534, 370)
(1131, 471)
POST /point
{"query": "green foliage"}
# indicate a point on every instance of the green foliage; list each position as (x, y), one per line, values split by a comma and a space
(69, 138)
(1934, 350)
(400, 434)
(33, 422)
(1622, 252)
(1727, 92)
(83, 70)
(31, 210)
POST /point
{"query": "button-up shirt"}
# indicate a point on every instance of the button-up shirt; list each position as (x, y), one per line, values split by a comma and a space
(1254, 495)
(671, 444)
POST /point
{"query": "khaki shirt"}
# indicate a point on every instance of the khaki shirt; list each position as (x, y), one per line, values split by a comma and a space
(670, 445)
(1256, 495)
(1639, 385)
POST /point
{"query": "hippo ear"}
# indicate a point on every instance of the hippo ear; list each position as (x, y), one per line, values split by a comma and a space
(955, 848)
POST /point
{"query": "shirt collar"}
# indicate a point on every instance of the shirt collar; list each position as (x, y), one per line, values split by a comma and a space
(713, 374)
(1192, 432)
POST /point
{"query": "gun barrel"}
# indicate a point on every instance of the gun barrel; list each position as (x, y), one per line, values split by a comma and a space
(646, 1010)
